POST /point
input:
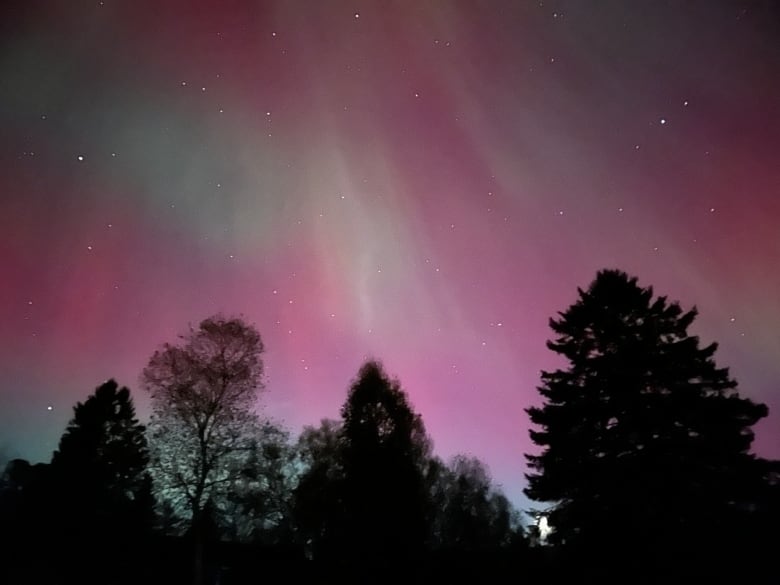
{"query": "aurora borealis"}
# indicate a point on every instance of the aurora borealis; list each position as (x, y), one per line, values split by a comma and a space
(426, 183)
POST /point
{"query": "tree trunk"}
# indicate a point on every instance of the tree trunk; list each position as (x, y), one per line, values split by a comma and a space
(197, 547)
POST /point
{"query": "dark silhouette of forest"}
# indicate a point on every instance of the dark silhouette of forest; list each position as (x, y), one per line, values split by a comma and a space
(644, 472)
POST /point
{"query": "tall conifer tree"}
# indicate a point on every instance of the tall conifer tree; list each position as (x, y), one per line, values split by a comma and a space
(645, 441)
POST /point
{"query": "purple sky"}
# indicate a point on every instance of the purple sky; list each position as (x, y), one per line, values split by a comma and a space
(426, 183)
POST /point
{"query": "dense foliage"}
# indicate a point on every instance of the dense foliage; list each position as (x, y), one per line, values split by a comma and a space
(645, 441)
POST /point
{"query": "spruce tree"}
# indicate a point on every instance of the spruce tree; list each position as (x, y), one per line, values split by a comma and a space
(98, 490)
(104, 446)
(645, 441)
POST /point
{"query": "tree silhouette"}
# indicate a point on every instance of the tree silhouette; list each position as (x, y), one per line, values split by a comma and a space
(644, 440)
(469, 513)
(104, 446)
(100, 483)
(257, 505)
(384, 448)
(203, 426)
(318, 498)
(26, 513)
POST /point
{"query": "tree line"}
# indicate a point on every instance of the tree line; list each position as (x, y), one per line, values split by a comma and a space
(208, 484)
(644, 472)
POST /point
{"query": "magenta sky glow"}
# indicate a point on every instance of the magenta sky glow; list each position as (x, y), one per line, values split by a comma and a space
(422, 182)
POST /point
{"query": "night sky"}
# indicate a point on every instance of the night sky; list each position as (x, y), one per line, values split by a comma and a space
(426, 183)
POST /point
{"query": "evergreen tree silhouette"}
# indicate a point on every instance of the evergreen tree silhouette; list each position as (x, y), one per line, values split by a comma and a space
(104, 446)
(645, 441)
(100, 484)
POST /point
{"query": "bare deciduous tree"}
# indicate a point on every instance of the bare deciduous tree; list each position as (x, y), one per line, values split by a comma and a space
(203, 425)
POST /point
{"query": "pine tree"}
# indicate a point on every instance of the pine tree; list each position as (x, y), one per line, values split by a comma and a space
(99, 492)
(104, 446)
(645, 441)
